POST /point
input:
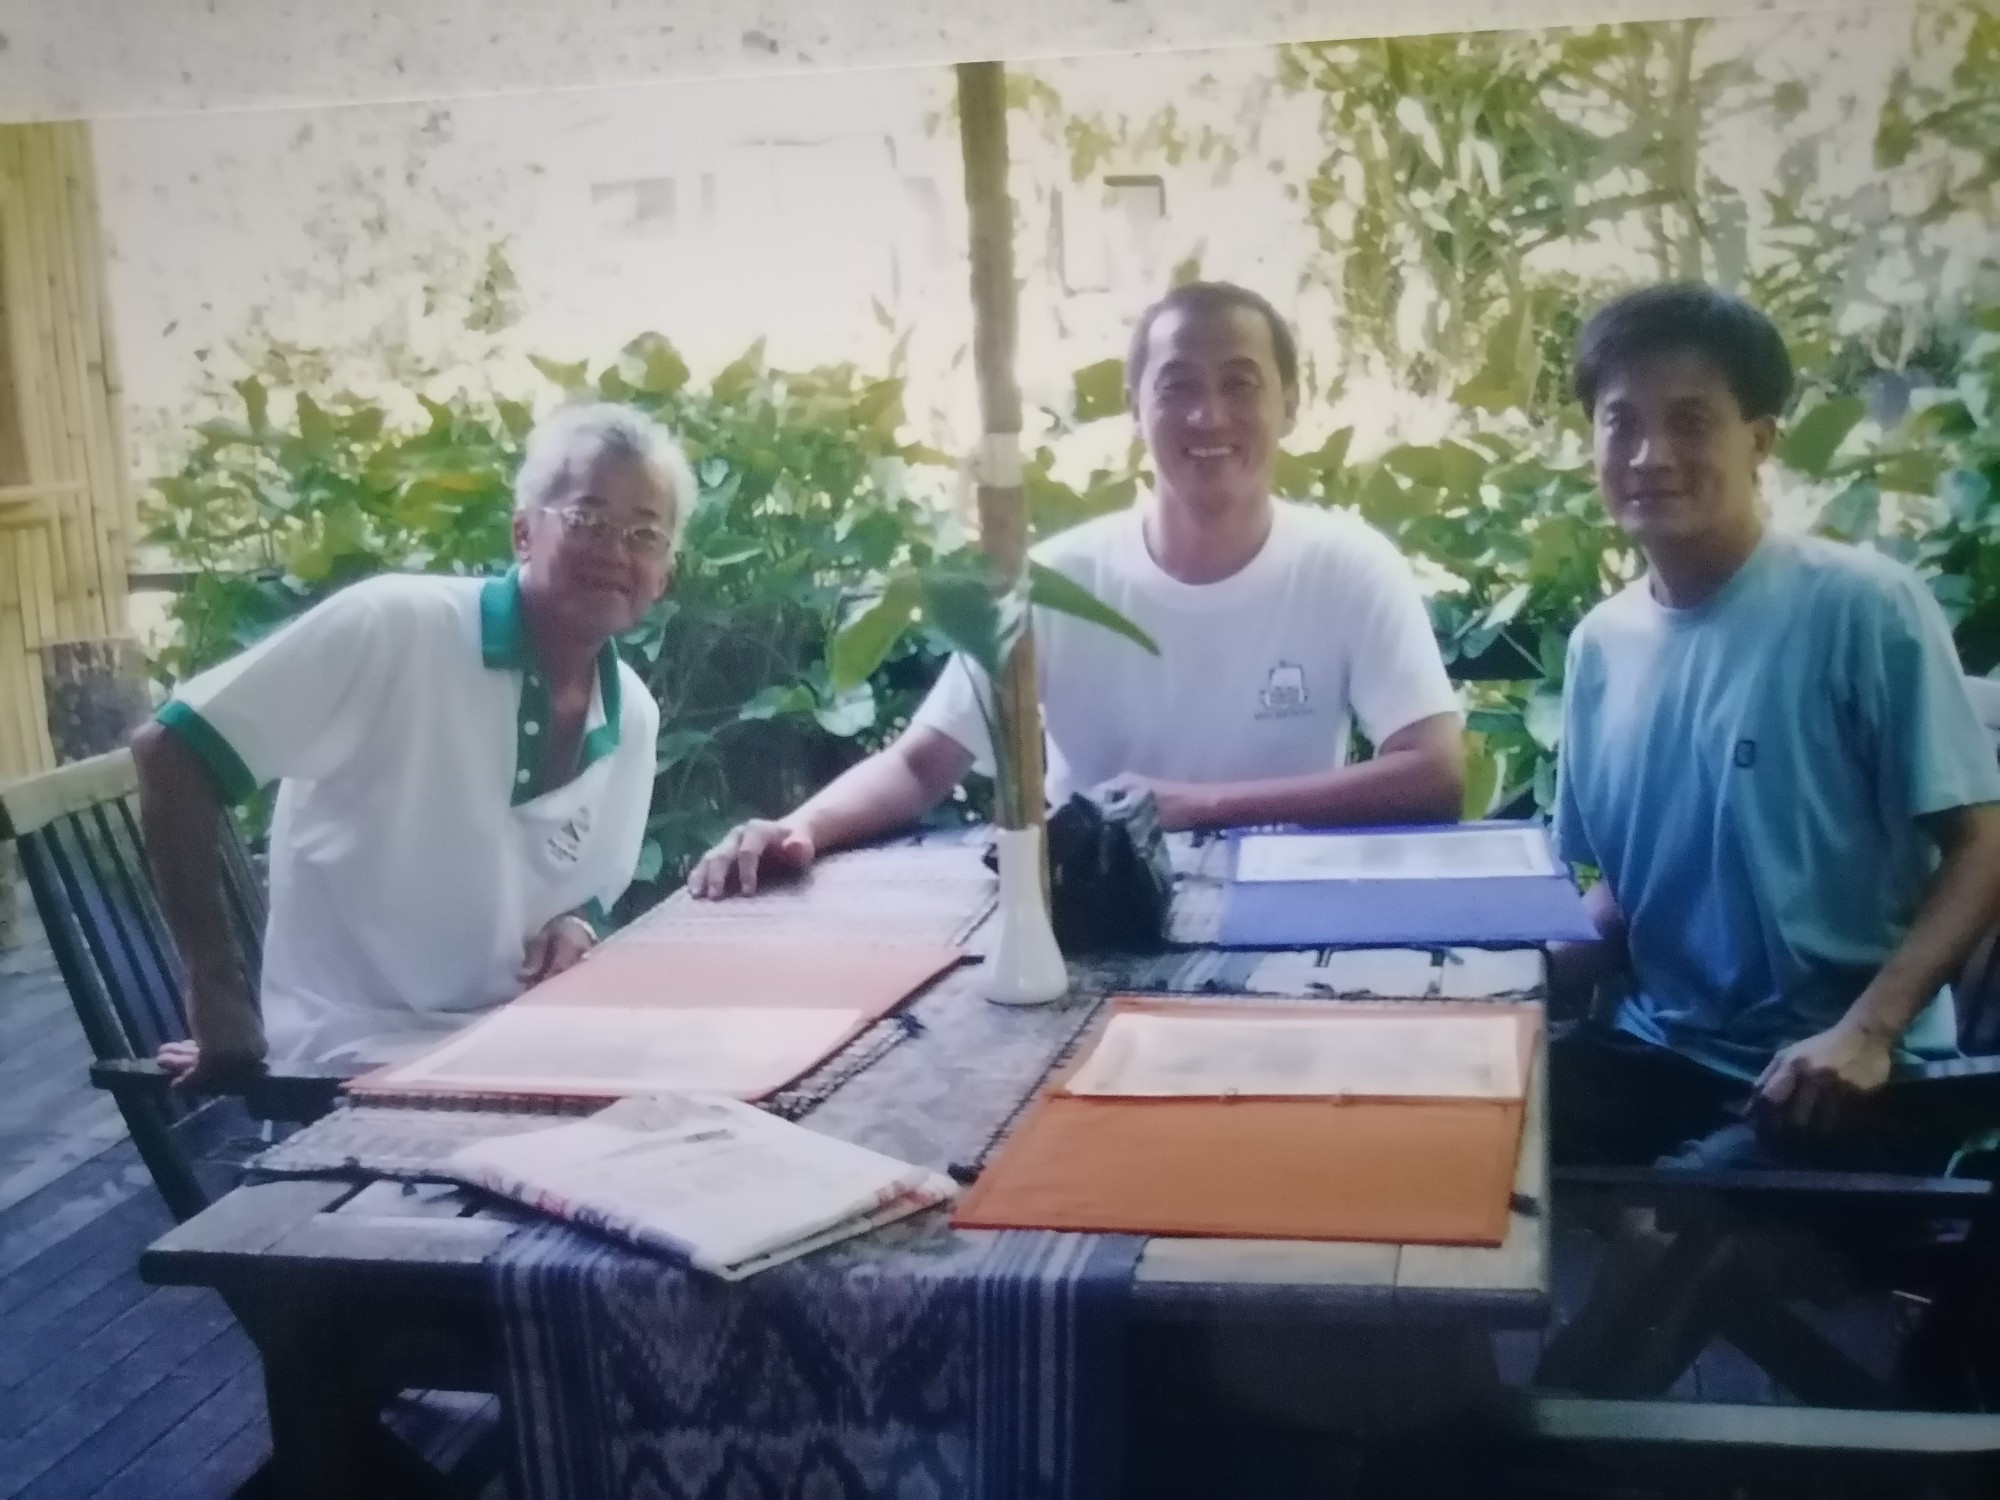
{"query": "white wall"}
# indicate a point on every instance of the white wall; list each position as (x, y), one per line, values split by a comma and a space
(98, 58)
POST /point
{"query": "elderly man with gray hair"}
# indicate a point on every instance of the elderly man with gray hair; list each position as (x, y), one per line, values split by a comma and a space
(463, 766)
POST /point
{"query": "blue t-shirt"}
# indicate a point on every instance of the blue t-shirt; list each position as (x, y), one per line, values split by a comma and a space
(1747, 775)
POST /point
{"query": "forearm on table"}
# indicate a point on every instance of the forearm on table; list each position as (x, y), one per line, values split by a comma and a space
(1960, 906)
(181, 817)
(1575, 969)
(1420, 781)
(889, 790)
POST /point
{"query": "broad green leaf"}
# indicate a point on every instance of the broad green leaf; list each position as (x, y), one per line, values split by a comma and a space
(849, 713)
(1810, 444)
(736, 379)
(656, 366)
(780, 699)
(1976, 391)
(874, 537)
(363, 424)
(881, 407)
(859, 647)
(1914, 472)
(1416, 462)
(1551, 651)
(517, 419)
(1544, 716)
(652, 859)
(1099, 390)
(1048, 589)
(1966, 494)
(1494, 721)
(1460, 468)
(1545, 785)
(961, 604)
(567, 377)
(1953, 593)
(1488, 391)
(1507, 606)
(1482, 779)
(256, 402)
(1332, 455)
(1853, 514)
(677, 745)
(315, 427)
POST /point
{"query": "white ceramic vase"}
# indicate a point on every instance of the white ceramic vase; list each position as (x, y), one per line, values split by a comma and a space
(1026, 967)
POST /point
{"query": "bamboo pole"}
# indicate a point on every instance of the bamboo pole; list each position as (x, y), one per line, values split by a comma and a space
(1003, 520)
(62, 392)
(80, 277)
(117, 507)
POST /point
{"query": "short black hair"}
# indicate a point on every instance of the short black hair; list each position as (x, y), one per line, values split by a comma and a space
(1212, 297)
(1688, 317)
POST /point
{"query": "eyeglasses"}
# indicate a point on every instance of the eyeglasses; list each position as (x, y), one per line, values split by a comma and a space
(588, 524)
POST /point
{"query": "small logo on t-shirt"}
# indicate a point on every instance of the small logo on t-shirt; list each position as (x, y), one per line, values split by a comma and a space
(1746, 753)
(566, 843)
(1284, 695)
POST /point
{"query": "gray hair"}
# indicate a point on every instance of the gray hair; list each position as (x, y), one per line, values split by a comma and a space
(586, 431)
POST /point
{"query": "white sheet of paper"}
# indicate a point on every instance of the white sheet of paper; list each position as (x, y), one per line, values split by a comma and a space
(1483, 973)
(732, 1187)
(1444, 854)
(1393, 973)
(1376, 1057)
(696, 1049)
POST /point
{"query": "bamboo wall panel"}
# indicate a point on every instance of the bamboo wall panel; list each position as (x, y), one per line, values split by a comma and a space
(66, 513)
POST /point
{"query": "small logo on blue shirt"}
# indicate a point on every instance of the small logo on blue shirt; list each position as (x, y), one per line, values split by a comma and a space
(1746, 753)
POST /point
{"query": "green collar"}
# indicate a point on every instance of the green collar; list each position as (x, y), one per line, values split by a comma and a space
(505, 645)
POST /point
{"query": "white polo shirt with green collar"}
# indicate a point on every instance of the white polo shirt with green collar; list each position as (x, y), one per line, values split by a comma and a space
(415, 847)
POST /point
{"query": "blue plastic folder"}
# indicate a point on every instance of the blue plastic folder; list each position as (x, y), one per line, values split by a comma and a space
(1400, 887)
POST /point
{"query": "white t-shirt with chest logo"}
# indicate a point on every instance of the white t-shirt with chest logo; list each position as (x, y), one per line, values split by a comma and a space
(1259, 675)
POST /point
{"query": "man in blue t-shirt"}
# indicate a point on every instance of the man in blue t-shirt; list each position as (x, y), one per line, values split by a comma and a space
(1770, 755)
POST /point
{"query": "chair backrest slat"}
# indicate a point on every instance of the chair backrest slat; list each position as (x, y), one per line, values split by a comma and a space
(147, 998)
(83, 849)
(141, 926)
(243, 891)
(100, 1015)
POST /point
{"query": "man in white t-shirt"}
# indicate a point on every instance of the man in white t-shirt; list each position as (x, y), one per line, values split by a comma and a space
(1279, 627)
(464, 771)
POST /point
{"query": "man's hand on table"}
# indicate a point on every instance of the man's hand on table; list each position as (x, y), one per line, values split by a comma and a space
(1180, 804)
(558, 946)
(747, 853)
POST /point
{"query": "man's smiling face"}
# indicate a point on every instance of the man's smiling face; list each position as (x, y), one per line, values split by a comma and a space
(1212, 406)
(1676, 458)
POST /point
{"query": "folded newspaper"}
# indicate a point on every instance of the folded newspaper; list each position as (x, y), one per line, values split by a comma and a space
(720, 1183)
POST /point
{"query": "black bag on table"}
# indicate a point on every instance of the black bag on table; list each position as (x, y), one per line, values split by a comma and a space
(1111, 881)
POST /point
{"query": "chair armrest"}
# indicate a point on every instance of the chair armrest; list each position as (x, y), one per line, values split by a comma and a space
(1779, 1191)
(1926, 1075)
(300, 1097)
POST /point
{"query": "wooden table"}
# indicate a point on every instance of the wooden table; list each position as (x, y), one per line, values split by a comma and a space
(354, 1291)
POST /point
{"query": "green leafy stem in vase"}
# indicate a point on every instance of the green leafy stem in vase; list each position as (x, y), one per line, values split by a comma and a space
(984, 617)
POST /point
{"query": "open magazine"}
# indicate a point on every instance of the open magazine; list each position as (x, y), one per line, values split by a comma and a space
(731, 1189)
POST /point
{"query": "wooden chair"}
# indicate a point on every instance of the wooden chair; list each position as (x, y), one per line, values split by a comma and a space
(81, 850)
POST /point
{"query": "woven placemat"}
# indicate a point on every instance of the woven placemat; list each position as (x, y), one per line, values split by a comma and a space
(932, 895)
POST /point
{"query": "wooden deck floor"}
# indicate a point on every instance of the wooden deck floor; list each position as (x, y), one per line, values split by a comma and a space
(108, 1387)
